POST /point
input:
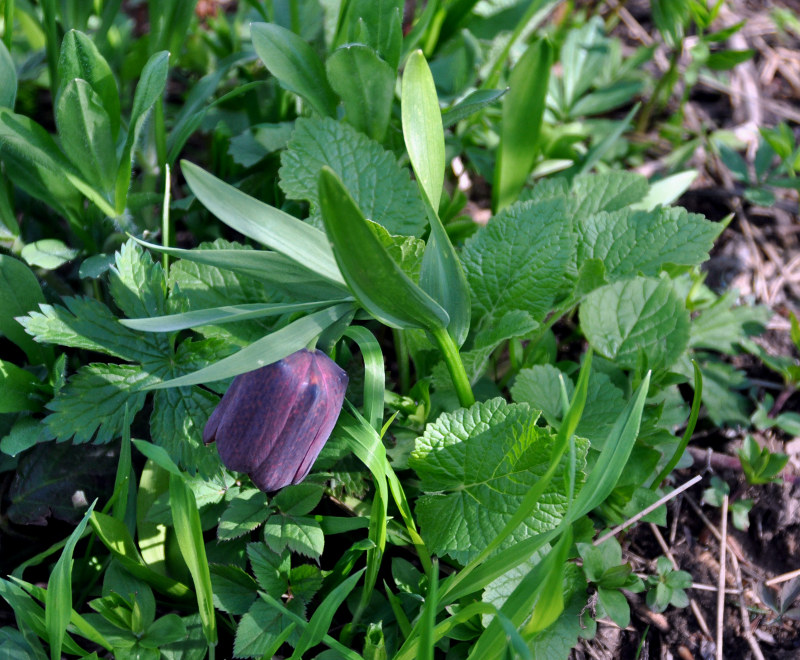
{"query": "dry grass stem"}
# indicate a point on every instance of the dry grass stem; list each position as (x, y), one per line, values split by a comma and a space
(723, 545)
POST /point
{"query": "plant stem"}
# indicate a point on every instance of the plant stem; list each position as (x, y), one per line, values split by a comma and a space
(650, 106)
(403, 370)
(8, 23)
(452, 358)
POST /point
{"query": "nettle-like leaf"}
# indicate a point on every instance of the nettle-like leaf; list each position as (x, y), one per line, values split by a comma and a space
(518, 260)
(476, 465)
(643, 242)
(640, 322)
(380, 187)
(539, 386)
(245, 512)
(301, 534)
(260, 627)
(91, 406)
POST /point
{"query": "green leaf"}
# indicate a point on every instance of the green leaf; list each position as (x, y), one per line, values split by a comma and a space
(422, 127)
(637, 318)
(377, 23)
(300, 534)
(644, 242)
(269, 349)
(365, 84)
(84, 129)
(273, 228)
(189, 534)
(381, 188)
(35, 163)
(721, 326)
(80, 58)
(296, 66)
(18, 389)
(259, 629)
(665, 191)
(377, 282)
(539, 386)
(244, 514)
(8, 79)
(270, 569)
(48, 253)
(58, 610)
(523, 111)
(88, 324)
(518, 261)
(21, 293)
(234, 589)
(89, 407)
(480, 462)
(470, 104)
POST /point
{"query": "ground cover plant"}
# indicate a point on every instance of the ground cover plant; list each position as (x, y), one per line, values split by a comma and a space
(349, 329)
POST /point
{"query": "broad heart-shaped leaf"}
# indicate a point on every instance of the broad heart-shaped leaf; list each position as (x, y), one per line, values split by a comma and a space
(273, 228)
(642, 242)
(382, 189)
(422, 127)
(8, 79)
(84, 129)
(365, 83)
(518, 260)
(296, 66)
(539, 387)
(637, 322)
(477, 465)
(523, 110)
(377, 282)
(79, 58)
(35, 163)
(20, 293)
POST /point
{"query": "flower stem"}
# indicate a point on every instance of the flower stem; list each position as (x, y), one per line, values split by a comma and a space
(455, 366)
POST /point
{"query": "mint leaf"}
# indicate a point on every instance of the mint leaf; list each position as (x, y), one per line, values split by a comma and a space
(609, 191)
(382, 189)
(90, 407)
(643, 242)
(518, 261)
(88, 324)
(539, 386)
(635, 320)
(298, 533)
(476, 465)
(245, 512)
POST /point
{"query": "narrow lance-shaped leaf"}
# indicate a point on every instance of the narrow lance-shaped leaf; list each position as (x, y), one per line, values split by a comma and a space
(442, 276)
(298, 68)
(8, 79)
(269, 226)
(523, 110)
(377, 282)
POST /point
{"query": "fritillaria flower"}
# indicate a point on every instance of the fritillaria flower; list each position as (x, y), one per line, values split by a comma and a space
(273, 422)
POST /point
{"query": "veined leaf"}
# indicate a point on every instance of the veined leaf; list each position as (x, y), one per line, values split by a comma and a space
(267, 225)
(8, 79)
(298, 68)
(377, 282)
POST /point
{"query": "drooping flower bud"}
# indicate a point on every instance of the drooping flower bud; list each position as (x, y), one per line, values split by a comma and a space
(273, 422)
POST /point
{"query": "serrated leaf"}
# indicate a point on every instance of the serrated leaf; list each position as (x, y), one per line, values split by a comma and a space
(480, 463)
(234, 590)
(381, 188)
(88, 408)
(260, 627)
(635, 319)
(88, 324)
(608, 191)
(137, 283)
(643, 242)
(270, 568)
(721, 326)
(305, 581)
(245, 512)
(298, 533)
(539, 386)
(518, 260)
